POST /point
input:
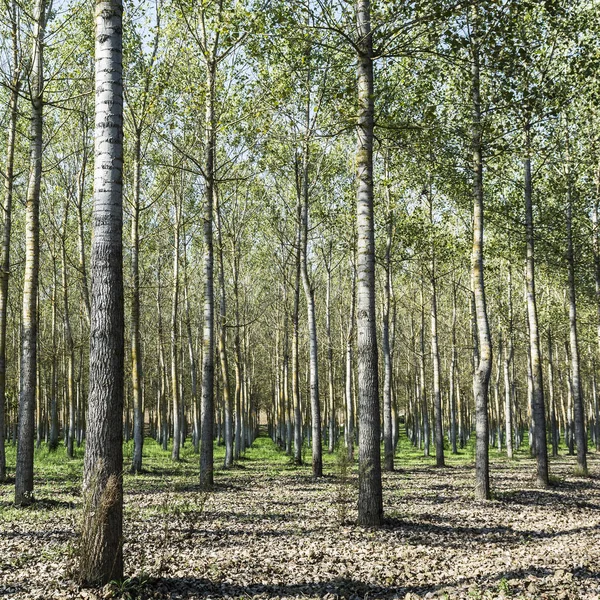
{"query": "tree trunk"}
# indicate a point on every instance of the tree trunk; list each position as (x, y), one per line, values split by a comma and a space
(596, 248)
(435, 353)
(580, 437)
(555, 438)
(370, 499)
(191, 351)
(451, 387)
(481, 377)
(29, 325)
(388, 442)
(349, 368)
(227, 399)
(422, 392)
(208, 359)
(332, 419)
(174, 333)
(295, 343)
(6, 233)
(102, 547)
(85, 293)
(538, 404)
(69, 343)
(54, 426)
(309, 292)
(136, 342)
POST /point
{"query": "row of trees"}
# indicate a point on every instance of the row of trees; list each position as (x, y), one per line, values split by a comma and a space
(303, 185)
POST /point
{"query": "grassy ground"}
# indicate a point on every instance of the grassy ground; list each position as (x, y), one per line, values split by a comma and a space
(268, 530)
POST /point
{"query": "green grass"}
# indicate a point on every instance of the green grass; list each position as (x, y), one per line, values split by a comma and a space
(54, 468)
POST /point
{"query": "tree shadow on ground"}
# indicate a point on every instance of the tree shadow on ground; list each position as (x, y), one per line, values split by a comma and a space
(431, 530)
(542, 498)
(345, 588)
(40, 504)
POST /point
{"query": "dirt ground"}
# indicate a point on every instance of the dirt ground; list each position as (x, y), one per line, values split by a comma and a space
(271, 531)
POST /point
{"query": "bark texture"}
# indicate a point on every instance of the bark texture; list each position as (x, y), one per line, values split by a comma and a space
(537, 381)
(370, 501)
(29, 321)
(208, 359)
(102, 549)
(7, 225)
(483, 367)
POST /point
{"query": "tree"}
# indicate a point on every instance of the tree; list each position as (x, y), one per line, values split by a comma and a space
(15, 85)
(484, 363)
(29, 324)
(370, 497)
(102, 547)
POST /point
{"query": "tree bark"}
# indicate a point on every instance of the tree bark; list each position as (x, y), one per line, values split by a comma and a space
(435, 352)
(177, 425)
(29, 320)
(370, 498)
(538, 404)
(9, 179)
(349, 368)
(227, 399)
(136, 340)
(69, 343)
(330, 378)
(578, 416)
(483, 368)
(103, 464)
(208, 360)
(596, 249)
(309, 293)
(388, 441)
(452, 383)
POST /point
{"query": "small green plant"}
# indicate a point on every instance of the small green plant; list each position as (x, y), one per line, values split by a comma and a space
(129, 588)
(555, 480)
(580, 472)
(503, 587)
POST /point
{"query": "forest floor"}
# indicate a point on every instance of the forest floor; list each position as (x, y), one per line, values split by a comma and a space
(268, 530)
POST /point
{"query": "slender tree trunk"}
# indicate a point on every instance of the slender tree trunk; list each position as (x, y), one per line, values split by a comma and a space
(370, 499)
(538, 404)
(295, 343)
(162, 366)
(85, 293)
(315, 406)
(29, 325)
(227, 399)
(422, 391)
(483, 369)
(69, 343)
(54, 427)
(388, 442)
(208, 359)
(435, 353)
(238, 357)
(332, 420)
(136, 341)
(349, 368)
(177, 425)
(580, 437)
(7, 214)
(452, 384)
(596, 248)
(103, 465)
(191, 353)
(555, 438)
